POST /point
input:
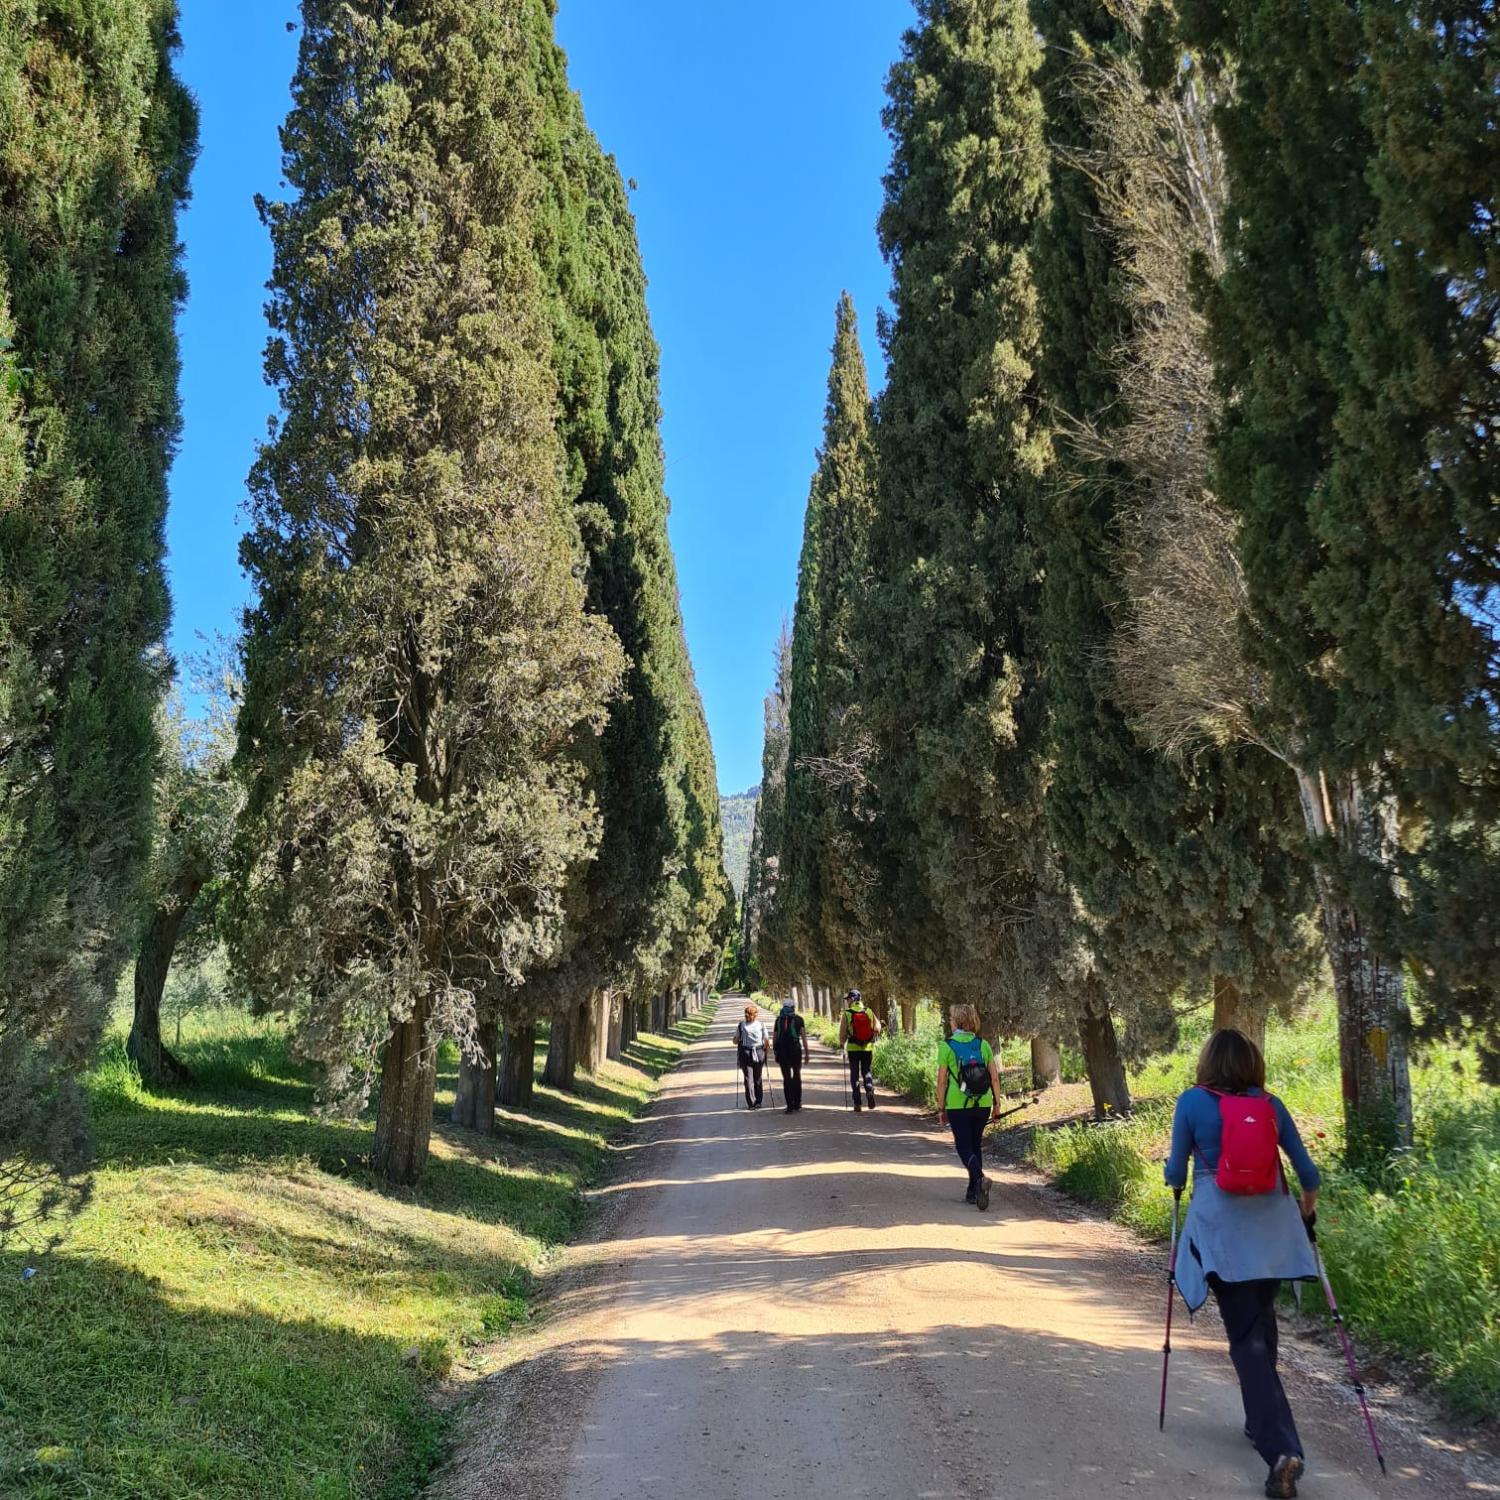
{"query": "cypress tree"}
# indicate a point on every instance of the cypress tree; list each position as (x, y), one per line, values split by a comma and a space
(821, 909)
(946, 624)
(638, 901)
(1184, 870)
(777, 961)
(422, 681)
(97, 138)
(1296, 230)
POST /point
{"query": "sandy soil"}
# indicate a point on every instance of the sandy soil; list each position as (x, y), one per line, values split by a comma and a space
(779, 1306)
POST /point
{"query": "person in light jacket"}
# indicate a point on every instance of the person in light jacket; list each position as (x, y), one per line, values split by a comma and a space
(750, 1040)
(1241, 1247)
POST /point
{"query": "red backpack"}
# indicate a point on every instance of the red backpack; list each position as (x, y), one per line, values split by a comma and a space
(861, 1026)
(1249, 1144)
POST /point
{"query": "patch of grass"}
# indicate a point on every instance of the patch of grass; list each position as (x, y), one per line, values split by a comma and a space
(244, 1310)
(1413, 1250)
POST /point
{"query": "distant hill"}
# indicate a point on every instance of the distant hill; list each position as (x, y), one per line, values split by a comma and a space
(738, 817)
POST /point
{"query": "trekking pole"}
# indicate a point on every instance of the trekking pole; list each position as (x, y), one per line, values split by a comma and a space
(1338, 1318)
(1166, 1348)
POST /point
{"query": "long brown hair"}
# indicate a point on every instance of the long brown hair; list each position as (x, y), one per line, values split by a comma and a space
(1231, 1063)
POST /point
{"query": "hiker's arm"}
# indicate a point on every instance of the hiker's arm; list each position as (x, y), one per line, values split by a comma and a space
(942, 1093)
(806, 1050)
(1182, 1144)
(1303, 1164)
(843, 1030)
(994, 1085)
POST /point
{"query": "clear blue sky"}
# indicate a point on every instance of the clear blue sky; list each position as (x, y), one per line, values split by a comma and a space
(754, 134)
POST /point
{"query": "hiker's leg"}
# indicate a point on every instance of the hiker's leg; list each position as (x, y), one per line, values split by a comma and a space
(759, 1066)
(966, 1137)
(854, 1073)
(865, 1059)
(745, 1072)
(1248, 1309)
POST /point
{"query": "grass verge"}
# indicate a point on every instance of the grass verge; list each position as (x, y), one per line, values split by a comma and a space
(243, 1310)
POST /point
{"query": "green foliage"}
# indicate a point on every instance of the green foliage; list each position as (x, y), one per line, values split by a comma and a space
(737, 818)
(97, 137)
(945, 624)
(777, 960)
(1184, 871)
(411, 831)
(244, 1309)
(820, 912)
(647, 916)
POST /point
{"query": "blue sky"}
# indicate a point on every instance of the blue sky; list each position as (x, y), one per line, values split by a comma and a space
(753, 132)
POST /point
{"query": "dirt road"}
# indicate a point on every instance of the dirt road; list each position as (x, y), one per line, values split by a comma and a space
(802, 1305)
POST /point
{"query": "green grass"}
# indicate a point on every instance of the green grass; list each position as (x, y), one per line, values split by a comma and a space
(1413, 1250)
(243, 1310)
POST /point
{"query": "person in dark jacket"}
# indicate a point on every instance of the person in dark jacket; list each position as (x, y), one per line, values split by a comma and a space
(1240, 1246)
(789, 1044)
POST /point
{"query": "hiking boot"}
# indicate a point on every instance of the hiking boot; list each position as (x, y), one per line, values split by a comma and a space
(969, 1196)
(857, 1105)
(870, 1100)
(1281, 1482)
(982, 1194)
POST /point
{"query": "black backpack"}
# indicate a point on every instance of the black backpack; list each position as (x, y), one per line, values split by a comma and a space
(973, 1075)
(785, 1043)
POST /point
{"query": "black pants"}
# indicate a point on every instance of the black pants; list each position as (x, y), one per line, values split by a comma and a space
(1249, 1312)
(967, 1126)
(859, 1072)
(752, 1065)
(791, 1082)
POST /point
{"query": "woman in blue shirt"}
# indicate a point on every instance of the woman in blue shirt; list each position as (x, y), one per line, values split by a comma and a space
(1241, 1247)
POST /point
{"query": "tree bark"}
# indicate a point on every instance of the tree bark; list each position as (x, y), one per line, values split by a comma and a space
(516, 1079)
(403, 1121)
(1046, 1063)
(1234, 1010)
(599, 1009)
(1101, 1055)
(909, 1016)
(153, 962)
(474, 1099)
(618, 1005)
(1368, 983)
(561, 1068)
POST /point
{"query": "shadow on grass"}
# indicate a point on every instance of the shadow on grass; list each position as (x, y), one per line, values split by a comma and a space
(110, 1388)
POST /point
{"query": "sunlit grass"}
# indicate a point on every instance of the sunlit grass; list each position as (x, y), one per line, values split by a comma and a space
(243, 1310)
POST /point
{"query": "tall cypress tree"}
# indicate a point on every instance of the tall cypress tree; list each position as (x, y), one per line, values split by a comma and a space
(420, 670)
(777, 959)
(821, 910)
(637, 901)
(1184, 869)
(947, 619)
(1297, 230)
(97, 137)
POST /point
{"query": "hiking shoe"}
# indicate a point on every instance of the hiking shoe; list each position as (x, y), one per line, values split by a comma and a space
(870, 1101)
(857, 1105)
(982, 1200)
(969, 1196)
(1282, 1480)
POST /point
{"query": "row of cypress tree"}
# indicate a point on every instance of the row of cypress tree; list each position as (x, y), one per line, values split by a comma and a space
(1147, 622)
(478, 789)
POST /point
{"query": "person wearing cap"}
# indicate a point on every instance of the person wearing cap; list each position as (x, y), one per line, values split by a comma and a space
(858, 1030)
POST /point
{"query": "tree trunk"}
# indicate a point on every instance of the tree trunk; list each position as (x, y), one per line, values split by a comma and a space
(1101, 1055)
(909, 1016)
(516, 1078)
(403, 1122)
(599, 1009)
(153, 962)
(1046, 1063)
(474, 1099)
(1368, 983)
(562, 1051)
(1234, 1010)
(619, 1025)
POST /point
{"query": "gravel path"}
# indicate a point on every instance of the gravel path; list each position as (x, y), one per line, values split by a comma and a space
(783, 1305)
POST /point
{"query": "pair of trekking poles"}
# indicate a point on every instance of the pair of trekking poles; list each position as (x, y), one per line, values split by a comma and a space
(739, 1079)
(1333, 1308)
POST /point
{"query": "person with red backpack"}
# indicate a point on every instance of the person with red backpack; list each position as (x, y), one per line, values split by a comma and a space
(1245, 1233)
(858, 1031)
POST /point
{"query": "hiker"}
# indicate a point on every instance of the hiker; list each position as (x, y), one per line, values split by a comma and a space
(858, 1030)
(750, 1039)
(789, 1045)
(968, 1091)
(1244, 1233)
